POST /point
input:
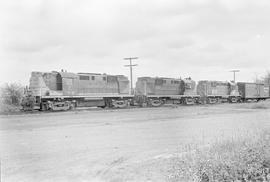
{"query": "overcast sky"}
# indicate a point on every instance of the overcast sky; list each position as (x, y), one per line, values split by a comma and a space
(203, 39)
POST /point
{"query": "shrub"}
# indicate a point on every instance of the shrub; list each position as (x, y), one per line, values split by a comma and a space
(11, 95)
(242, 161)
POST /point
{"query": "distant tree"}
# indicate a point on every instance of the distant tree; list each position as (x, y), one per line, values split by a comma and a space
(262, 79)
(11, 93)
(258, 79)
(266, 78)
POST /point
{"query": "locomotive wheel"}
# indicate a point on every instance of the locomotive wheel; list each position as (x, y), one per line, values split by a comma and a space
(60, 106)
(189, 101)
(211, 100)
(44, 107)
(71, 106)
(27, 108)
(156, 103)
(120, 103)
(233, 99)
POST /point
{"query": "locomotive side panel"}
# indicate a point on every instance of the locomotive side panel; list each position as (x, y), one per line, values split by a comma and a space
(123, 84)
(145, 86)
(167, 86)
(213, 88)
(96, 84)
(69, 86)
(103, 84)
(223, 89)
(110, 85)
(68, 83)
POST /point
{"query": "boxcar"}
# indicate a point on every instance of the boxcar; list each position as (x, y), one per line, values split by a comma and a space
(253, 91)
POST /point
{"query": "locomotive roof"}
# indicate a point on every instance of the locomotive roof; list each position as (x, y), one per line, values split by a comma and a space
(67, 75)
(251, 83)
(214, 81)
(97, 74)
(91, 74)
(147, 77)
(168, 78)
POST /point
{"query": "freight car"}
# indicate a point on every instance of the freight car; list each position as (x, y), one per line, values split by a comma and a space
(253, 91)
(65, 90)
(155, 91)
(217, 91)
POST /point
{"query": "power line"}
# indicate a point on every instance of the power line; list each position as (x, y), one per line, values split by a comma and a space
(130, 67)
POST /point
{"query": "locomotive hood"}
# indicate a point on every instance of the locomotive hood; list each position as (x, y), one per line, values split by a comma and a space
(67, 75)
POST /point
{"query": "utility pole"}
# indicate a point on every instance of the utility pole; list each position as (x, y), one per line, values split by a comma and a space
(130, 67)
(234, 71)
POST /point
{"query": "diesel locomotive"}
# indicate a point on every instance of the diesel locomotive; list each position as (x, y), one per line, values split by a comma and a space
(65, 90)
(218, 91)
(158, 90)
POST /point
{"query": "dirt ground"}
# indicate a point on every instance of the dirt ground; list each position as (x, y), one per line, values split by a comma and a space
(115, 145)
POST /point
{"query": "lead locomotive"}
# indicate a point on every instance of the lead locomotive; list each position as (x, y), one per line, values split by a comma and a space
(65, 90)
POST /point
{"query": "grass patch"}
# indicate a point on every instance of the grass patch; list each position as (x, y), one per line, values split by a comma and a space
(256, 105)
(9, 109)
(261, 105)
(242, 160)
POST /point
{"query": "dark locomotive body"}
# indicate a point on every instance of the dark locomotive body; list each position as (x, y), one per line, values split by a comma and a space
(217, 91)
(159, 90)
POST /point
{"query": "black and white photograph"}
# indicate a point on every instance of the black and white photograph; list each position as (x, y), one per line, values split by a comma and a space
(134, 91)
